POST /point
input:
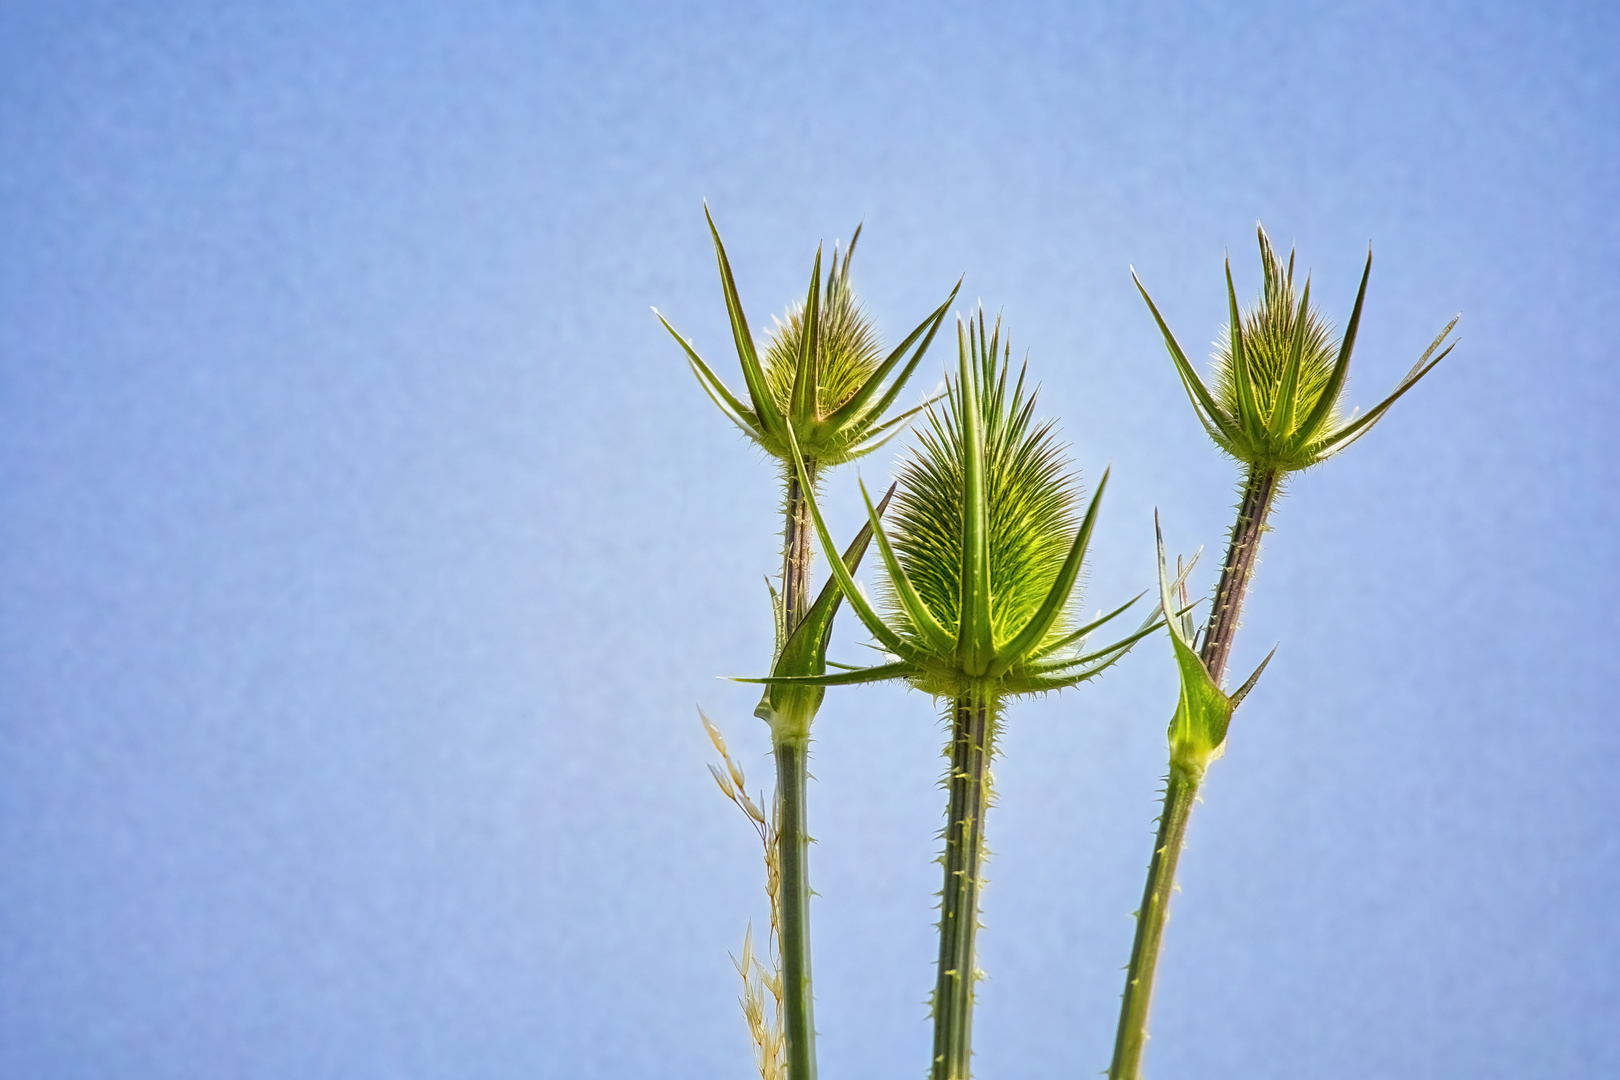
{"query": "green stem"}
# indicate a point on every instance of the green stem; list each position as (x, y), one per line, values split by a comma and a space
(799, 1026)
(796, 551)
(792, 846)
(1181, 788)
(972, 744)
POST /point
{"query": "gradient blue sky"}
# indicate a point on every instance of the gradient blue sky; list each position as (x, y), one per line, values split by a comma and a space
(365, 544)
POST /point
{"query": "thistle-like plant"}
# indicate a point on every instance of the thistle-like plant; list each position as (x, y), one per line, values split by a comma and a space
(824, 386)
(981, 571)
(1276, 408)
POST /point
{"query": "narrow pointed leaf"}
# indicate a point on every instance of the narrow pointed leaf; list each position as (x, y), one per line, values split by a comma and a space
(806, 375)
(1282, 410)
(854, 677)
(1203, 712)
(1151, 625)
(856, 405)
(1248, 413)
(1058, 595)
(1341, 367)
(712, 383)
(1248, 684)
(1433, 345)
(805, 652)
(1204, 403)
(857, 602)
(889, 428)
(1079, 635)
(765, 410)
(975, 647)
(915, 607)
(1353, 431)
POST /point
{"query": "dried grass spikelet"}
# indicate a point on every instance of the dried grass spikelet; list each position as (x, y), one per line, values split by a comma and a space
(760, 977)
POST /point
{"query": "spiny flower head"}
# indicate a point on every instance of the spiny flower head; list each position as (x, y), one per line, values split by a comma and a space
(1280, 376)
(1030, 500)
(985, 558)
(849, 348)
(821, 384)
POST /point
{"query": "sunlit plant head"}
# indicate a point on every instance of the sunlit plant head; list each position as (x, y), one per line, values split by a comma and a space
(984, 556)
(823, 383)
(1279, 375)
(1030, 501)
(850, 351)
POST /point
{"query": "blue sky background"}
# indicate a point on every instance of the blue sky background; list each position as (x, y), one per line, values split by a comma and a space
(365, 544)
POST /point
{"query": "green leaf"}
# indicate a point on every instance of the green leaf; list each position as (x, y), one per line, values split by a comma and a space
(1080, 634)
(735, 410)
(916, 609)
(888, 638)
(807, 376)
(853, 411)
(789, 709)
(1204, 404)
(1341, 367)
(1033, 633)
(765, 410)
(847, 677)
(975, 645)
(1203, 712)
(1282, 409)
(1248, 417)
(1353, 431)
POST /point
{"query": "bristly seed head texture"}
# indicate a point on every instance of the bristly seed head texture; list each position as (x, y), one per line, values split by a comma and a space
(1279, 375)
(1030, 498)
(985, 557)
(823, 383)
(850, 349)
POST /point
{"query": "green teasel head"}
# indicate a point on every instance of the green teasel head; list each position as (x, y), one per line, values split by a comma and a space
(1279, 376)
(984, 557)
(823, 382)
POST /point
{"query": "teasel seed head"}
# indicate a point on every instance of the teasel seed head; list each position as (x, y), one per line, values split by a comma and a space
(985, 555)
(1279, 376)
(823, 383)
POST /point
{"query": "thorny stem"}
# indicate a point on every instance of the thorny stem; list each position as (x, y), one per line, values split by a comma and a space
(799, 1004)
(1181, 787)
(972, 744)
(796, 552)
(791, 776)
(1259, 491)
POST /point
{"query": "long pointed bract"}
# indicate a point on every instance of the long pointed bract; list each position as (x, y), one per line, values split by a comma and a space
(975, 647)
(1058, 596)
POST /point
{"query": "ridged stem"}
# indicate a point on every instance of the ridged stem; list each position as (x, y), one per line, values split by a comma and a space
(972, 744)
(799, 1025)
(1181, 788)
(796, 551)
(1259, 492)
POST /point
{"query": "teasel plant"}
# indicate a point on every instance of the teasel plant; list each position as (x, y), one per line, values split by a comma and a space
(982, 570)
(824, 386)
(1276, 408)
